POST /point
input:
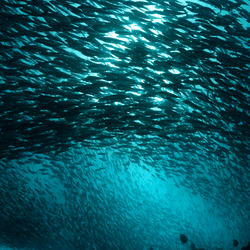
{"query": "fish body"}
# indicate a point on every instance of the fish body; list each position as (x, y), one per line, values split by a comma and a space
(183, 238)
(192, 246)
(247, 247)
(235, 243)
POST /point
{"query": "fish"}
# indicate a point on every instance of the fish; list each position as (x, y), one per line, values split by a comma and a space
(247, 247)
(183, 238)
(192, 246)
(164, 85)
(235, 243)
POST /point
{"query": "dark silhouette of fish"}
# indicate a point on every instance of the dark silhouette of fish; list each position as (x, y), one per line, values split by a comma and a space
(247, 247)
(183, 238)
(192, 246)
(235, 243)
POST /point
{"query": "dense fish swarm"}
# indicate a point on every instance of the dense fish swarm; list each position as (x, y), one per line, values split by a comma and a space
(75, 71)
(106, 106)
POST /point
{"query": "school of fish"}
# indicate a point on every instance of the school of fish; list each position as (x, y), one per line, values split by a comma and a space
(124, 124)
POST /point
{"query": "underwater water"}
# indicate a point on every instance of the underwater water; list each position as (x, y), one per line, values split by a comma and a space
(124, 124)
